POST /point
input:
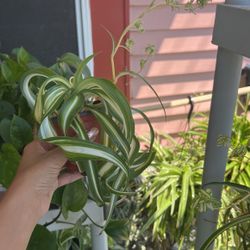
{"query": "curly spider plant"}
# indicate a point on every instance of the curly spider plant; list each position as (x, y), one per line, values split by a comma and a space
(116, 159)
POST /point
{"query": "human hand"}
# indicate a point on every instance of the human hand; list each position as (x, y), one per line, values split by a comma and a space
(28, 197)
(40, 174)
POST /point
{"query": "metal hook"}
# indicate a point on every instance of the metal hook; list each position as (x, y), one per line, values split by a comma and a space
(191, 103)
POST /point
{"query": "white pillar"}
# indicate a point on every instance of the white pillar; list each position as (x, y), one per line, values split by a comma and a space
(226, 83)
(227, 77)
(99, 240)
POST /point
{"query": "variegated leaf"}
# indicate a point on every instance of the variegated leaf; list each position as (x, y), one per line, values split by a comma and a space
(78, 149)
(110, 94)
(53, 99)
(39, 105)
(89, 166)
(69, 110)
(25, 83)
(46, 129)
(81, 69)
(114, 132)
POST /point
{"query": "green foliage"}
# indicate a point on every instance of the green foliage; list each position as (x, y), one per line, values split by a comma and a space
(7, 110)
(116, 159)
(171, 195)
(118, 229)
(9, 158)
(74, 197)
(42, 239)
(75, 238)
(235, 226)
(173, 184)
(17, 131)
(12, 69)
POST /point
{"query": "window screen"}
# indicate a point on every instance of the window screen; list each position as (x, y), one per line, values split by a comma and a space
(46, 28)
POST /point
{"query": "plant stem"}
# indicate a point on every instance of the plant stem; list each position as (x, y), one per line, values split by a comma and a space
(148, 9)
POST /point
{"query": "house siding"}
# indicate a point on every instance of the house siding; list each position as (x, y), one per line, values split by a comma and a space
(183, 65)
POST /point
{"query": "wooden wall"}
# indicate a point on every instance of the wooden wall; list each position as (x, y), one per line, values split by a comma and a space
(114, 16)
(183, 65)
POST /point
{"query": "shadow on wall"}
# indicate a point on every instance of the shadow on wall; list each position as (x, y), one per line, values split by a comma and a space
(183, 65)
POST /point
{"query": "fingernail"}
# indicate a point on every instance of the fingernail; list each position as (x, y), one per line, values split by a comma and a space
(47, 146)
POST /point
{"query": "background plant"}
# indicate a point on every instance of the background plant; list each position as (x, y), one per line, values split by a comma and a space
(235, 223)
(171, 195)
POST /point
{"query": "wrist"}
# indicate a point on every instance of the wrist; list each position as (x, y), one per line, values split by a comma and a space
(18, 218)
(25, 200)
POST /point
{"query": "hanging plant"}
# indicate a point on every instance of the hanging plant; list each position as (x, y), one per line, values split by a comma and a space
(116, 159)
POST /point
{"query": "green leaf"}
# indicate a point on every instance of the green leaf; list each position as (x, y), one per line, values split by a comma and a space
(23, 57)
(26, 89)
(184, 195)
(69, 110)
(115, 100)
(89, 167)
(53, 99)
(134, 74)
(46, 130)
(74, 197)
(70, 59)
(7, 110)
(234, 222)
(20, 132)
(42, 239)
(5, 130)
(57, 196)
(81, 69)
(39, 111)
(118, 229)
(145, 158)
(77, 149)
(119, 182)
(11, 71)
(159, 212)
(114, 132)
(230, 184)
(9, 158)
(66, 235)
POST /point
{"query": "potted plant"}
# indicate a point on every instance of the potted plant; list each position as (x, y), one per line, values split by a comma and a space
(116, 159)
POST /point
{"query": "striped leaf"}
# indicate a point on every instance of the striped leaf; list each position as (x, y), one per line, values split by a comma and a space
(112, 96)
(134, 150)
(69, 110)
(114, 132)
(234, 222)
(106, 169)
(118, 192)
(89, 167)
(39, 105)
(81, 69)
(135, 74)
(25, 83)
(112, 179)
(142, 162)
(53, 99)
(77, 149)
(117, 185)
(46, 129)
(184, 195)
(93, 180)
(145, 159)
